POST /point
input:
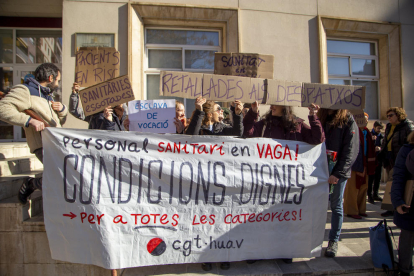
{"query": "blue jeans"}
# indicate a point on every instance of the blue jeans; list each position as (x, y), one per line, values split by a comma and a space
(337, 207)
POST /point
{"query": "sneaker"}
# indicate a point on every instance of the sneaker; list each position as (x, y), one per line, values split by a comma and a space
(25, 190)
(363, 215)
(225, 265)
(371, 200)
(206, 266)
(387, 214)
(377, 198)
(331, 249)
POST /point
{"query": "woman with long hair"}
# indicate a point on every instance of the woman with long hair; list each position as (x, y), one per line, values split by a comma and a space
(341, 133)
(207, 120)
(280, 123)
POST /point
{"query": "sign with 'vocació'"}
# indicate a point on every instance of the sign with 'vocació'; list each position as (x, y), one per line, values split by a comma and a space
(155, 116)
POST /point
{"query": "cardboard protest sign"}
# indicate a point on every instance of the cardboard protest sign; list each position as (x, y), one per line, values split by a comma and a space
(155, 116)
(359, 117)
(257, 91)
(284, 93)
(95, 65)
(333, 96)
(139, 199)
(110, 93)
(181, 84)
(226, 88)
(244, 65)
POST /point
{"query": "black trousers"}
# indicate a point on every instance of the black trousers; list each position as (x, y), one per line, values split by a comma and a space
(374, 179)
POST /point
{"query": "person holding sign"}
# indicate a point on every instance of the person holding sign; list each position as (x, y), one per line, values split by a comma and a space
(34, 97)
(341, 134)
(280, 123)
(206, 121)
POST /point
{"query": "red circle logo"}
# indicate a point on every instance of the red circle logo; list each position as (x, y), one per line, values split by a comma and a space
(156, 247)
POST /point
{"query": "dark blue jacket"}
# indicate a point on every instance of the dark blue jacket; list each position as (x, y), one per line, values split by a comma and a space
(400, 177)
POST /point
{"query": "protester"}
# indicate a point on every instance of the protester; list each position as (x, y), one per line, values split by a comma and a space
(75, 108)
(396, 133)
(34, 95)
(356, 189)
(280, 123)
(341, 136)
(404, 217)
(180, 121)
(205, 121)
(109, 119)
(376, 178)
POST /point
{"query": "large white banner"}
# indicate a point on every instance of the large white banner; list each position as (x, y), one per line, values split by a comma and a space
(125, 199)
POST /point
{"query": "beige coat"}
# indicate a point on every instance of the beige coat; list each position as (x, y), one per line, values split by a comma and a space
(19, 99)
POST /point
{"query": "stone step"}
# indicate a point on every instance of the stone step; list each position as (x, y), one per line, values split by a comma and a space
(13, 213)
(35, 224)
(13, 150)
(10, 185)
(17, 165)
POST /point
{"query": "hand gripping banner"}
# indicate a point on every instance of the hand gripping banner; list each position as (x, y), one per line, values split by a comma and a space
(125, 199)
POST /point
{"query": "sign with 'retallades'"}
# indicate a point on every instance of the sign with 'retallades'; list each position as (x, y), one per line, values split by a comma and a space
(155, 116)
(244, 65)
(95, 65)
(110, 93)
(332, 96)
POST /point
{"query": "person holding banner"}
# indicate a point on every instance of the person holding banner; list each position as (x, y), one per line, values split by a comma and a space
(34, 97)
(206, 121)
(342, 137)
(356, 191)
(280, 123)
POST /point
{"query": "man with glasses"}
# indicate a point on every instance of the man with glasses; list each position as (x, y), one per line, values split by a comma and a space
(396, 134)
(31, 106)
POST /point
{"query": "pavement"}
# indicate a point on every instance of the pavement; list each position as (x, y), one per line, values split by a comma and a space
(353, 258)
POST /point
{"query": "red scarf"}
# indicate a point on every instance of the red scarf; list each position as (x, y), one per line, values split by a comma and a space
(369, 159)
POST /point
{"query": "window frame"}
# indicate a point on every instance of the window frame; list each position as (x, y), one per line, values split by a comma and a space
(18, 67)
(182, 47)
(352, 77)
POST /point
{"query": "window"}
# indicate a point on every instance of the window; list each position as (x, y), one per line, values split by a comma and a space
(355, 63)
(178, 50)
(21, 52)
(94, 40)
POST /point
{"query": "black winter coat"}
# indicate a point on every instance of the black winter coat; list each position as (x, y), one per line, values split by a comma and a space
(195, 127)
(345, 141)
(98, 121)
(399, 138)
(399, 179)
